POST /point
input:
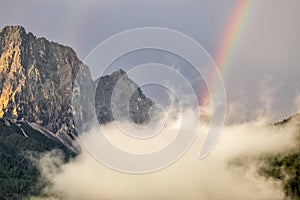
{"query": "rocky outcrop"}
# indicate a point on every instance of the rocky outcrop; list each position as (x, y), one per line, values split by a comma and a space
(42, 85)
(128, 101)
(36, 80)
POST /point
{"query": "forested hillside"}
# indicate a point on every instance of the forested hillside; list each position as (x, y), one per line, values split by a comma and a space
(19, 176)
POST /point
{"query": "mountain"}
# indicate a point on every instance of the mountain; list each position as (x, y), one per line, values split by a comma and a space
(128, 99)
(36, 80)
(42, 84)
(285, 167)
(19, 176)
(36, 83)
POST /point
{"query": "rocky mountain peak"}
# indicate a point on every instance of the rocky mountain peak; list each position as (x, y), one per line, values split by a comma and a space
(13, 30)
(118, 91)
(118, 74)
(36, 79)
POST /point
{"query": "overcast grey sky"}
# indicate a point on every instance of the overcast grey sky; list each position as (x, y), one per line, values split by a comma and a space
(264, 68)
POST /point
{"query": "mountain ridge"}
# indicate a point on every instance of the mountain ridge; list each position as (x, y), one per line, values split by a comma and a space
(37, 79)
(129, 101)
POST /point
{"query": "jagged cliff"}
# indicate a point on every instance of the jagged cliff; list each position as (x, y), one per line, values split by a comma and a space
(42, 85)
(36, 79)
(129, 101)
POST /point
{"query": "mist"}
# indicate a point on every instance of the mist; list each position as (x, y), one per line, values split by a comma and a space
(231, 171)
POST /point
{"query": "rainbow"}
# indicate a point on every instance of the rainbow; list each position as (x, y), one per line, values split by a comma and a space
(230, 41)
(232, 34)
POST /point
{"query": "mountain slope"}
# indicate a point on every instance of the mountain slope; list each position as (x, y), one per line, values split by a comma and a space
(19, 176)
(37, 84)
(285, 167)
(36, 80)
(129, 99)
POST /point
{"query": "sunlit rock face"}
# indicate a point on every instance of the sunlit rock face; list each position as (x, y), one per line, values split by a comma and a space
(117, 91)
(37, 79)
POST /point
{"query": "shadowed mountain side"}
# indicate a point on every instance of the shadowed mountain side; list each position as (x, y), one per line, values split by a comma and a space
(128, 100)
(19, 176)
(285, 167)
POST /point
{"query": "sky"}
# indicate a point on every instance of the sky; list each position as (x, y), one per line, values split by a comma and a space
(260, 68)
(260, 76)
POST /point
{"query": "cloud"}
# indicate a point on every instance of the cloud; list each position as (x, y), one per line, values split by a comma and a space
(297, 102)
(212, 178)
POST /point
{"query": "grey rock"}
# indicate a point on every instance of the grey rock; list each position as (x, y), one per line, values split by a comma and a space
(128, 101)
(44, 83)
(36, 80)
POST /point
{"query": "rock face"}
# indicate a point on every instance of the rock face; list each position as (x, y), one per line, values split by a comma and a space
(42, 85)
(36, 80)
(128, 101)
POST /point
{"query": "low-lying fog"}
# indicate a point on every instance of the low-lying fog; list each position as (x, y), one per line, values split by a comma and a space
(229, 172)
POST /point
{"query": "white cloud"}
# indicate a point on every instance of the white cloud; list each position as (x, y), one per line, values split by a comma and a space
(189, 178)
